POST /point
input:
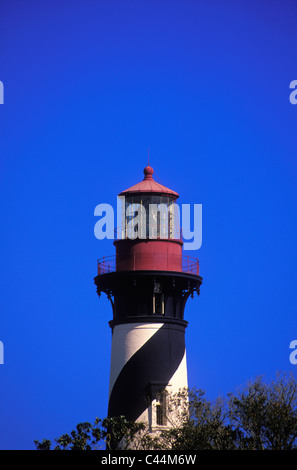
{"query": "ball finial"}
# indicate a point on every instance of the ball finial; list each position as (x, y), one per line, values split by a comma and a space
(148, 172)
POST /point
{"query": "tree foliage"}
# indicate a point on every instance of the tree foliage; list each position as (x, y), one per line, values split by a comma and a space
(266, 415)
(257, 416)
(109, 433)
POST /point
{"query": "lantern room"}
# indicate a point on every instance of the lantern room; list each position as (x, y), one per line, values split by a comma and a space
(149, 237)
(149, 211)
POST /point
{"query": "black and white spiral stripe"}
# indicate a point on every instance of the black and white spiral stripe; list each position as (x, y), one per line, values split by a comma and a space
(142, 354)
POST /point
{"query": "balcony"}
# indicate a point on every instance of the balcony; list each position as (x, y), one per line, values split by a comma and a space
(151, 262)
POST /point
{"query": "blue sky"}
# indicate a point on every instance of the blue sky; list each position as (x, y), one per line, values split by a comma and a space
(89, 85)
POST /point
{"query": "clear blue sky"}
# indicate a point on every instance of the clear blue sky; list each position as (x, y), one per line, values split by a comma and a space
(89, 85)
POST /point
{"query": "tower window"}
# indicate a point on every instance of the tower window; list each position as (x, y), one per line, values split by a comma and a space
(158, 303)
(161, 409)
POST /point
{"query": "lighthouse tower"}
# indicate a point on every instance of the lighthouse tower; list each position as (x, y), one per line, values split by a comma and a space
(148, 283)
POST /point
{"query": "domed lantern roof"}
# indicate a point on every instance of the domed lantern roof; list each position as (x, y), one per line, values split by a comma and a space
(149, 185)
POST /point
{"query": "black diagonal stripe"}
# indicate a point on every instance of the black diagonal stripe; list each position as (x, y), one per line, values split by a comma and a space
(156, 361)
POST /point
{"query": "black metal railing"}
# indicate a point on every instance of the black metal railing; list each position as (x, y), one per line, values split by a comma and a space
(153, 262)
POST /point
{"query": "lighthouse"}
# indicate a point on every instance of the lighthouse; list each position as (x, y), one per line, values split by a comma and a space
(148, 283)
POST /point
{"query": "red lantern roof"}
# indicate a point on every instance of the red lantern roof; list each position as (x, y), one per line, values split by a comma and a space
(149, 185)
